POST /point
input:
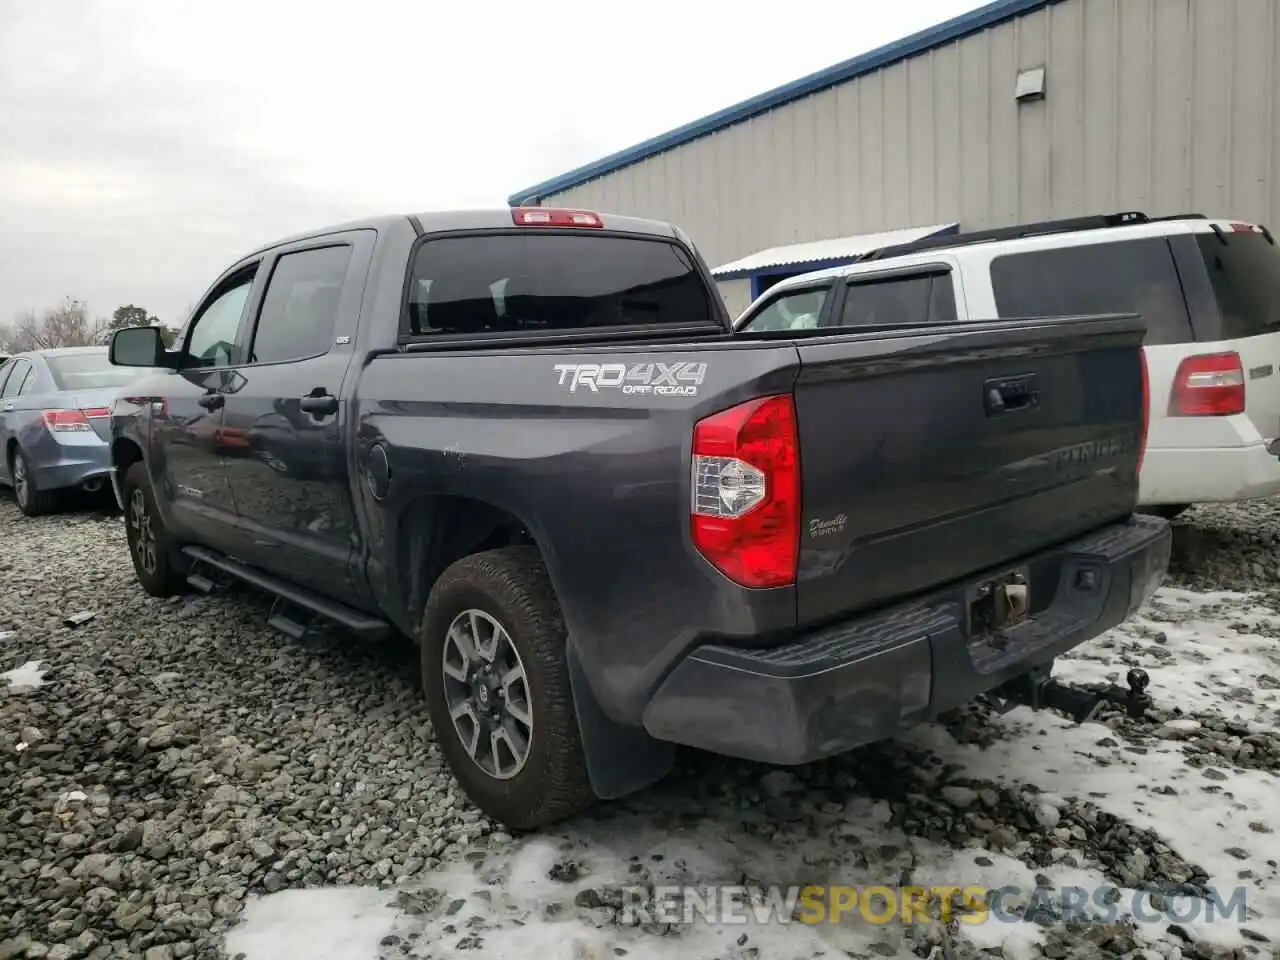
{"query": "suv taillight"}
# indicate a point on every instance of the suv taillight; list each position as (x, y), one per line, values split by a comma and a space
(746, 491)
(1208, 385)
(1146, 409)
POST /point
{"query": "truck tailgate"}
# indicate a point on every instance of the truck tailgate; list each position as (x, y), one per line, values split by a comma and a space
(930, 454)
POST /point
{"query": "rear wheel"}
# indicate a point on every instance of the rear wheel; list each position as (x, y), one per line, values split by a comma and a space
(31, 500)
(153, 552)
(496, 679)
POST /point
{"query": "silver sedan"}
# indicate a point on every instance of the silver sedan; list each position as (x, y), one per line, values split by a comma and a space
(55, 410)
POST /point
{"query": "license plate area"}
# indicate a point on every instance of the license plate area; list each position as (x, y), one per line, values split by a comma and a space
(998, 603)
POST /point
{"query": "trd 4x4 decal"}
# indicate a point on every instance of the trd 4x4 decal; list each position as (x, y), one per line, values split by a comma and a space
(680, 378)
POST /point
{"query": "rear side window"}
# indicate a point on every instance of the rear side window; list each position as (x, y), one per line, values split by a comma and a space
(1245, 274)
(798, 310)
(1129, 276)
(508, 283)
(300, 308)
(904, 301)
(17, 379)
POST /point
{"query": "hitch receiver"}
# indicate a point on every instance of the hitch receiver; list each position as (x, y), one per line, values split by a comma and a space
(1039, 691)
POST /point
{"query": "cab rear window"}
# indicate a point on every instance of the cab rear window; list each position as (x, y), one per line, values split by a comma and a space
(1244, 270)
(530, 282)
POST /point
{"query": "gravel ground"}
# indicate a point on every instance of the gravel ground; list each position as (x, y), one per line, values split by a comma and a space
(175, 778)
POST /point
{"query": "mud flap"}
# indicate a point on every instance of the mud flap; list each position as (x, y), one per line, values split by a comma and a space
(620, 759)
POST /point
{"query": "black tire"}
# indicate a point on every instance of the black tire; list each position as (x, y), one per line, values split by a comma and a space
(511, 586)
(159, 569)
(31, 500)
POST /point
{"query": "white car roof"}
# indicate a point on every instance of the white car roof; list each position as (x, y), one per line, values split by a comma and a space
(983, 250)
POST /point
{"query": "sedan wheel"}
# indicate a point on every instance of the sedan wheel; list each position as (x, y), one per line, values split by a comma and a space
(31, 500)
(21, 484)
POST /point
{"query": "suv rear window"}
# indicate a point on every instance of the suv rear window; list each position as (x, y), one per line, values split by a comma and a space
(1245, 274)
(509, 283)
(1127, 276)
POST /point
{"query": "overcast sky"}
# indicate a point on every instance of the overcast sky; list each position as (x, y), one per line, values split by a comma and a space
(145, 144)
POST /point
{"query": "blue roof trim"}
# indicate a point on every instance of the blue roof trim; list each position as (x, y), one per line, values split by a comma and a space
(954, 29)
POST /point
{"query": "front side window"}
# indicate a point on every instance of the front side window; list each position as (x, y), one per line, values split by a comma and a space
(531, 282)
(1128, 276)
(212, 341)
(17, 377)
(798, 310)
(300, 308)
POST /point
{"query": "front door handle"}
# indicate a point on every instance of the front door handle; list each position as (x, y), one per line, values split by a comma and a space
(318, 403)
(212, 401)
(8, 407)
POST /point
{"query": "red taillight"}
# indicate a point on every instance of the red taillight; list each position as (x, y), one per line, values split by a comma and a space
(1208, 385)
(66, 421)
(746, 491)
(547, 217)
(96, 413)
(1146, 410)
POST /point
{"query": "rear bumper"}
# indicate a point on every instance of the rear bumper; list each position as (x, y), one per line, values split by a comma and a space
(59, 467)
(1208, 474)
(868, 679)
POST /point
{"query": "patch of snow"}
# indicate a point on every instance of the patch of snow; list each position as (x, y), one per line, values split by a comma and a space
(29, 676)
(1198, 822)
(514, 905)
(332, 923)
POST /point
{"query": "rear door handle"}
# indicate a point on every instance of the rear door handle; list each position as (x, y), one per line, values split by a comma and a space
(212, 401)
(318, 403)
(1001, 395)
(8, 407)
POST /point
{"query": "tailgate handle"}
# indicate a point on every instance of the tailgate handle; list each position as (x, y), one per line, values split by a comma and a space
(1010, 394)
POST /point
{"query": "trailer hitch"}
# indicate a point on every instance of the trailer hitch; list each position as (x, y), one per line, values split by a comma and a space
(1039, 691)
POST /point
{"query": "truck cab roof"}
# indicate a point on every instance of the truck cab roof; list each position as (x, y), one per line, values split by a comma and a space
(492, 218)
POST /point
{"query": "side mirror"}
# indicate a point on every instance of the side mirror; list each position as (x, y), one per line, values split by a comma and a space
(138, 347)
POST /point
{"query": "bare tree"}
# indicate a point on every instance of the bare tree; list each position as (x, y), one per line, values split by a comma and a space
(66, 325)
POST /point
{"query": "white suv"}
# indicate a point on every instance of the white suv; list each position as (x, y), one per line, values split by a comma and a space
(1208, 289)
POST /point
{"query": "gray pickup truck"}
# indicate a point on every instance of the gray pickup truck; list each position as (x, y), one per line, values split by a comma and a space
(529, 440)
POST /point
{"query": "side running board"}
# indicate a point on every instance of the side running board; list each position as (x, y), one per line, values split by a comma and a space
(287, 595)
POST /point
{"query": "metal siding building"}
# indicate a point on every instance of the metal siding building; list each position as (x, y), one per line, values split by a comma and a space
(1165, 106)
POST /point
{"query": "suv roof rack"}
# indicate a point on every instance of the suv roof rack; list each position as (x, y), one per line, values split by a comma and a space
(1043, 228)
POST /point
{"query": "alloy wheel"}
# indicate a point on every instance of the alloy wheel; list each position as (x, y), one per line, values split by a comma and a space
(487, 693)
(143, 538)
